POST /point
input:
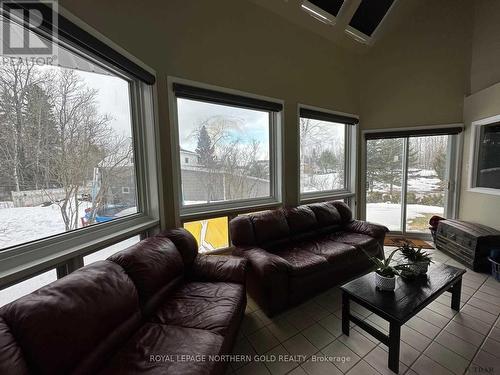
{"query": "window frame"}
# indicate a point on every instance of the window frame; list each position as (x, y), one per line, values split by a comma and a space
(29, 259)
(206, 210)
(454, 154)
(350, 163)
(475, 139)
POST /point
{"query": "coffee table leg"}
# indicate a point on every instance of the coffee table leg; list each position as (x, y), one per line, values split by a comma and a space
(394, 341)
(345, 313)
(455, 295)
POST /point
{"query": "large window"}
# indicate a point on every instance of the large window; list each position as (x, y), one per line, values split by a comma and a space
(410, 177)
(77, 155)
(67, 150)
(324, 152)
(486, 162)
(227, 149)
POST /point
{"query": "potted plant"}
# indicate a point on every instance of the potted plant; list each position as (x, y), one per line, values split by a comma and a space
(418, 260)
(385, 274)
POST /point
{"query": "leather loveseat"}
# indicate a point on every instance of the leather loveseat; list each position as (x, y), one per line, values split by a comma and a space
(294, 253)
(157, 307)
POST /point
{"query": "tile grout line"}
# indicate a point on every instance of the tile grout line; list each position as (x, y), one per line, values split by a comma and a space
(440, 331)
(362, 358)
(484, 340)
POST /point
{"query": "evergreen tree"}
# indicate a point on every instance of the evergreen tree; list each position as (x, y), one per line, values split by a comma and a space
(327, 161)
(205, 149)
(439, 164)
(385, 161)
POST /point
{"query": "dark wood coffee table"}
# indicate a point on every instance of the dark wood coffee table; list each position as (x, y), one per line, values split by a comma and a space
(399, 306)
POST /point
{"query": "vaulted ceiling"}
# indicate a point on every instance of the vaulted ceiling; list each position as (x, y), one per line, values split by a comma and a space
(342, 21)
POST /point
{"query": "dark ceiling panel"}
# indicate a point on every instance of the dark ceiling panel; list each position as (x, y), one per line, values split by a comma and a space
(369, 15)
(329, 6)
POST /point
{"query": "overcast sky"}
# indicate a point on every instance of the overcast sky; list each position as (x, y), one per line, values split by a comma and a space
(113, 99)
(252, 124)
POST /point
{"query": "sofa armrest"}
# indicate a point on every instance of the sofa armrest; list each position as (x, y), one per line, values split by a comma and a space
(223, 268)
(267, 278)
(370, 229)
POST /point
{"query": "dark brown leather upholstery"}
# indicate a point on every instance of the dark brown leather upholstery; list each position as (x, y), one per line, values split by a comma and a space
(296, 252)
(207, 306)
(156, 349)
(11, 358)
(110, 317)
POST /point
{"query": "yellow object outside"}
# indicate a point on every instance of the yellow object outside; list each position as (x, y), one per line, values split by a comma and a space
(211, 234)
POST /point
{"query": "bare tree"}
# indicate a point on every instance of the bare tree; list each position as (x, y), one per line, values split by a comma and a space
(16, 80)
(82, 134)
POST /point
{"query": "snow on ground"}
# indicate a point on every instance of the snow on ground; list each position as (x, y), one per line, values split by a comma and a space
(419, 181)
(24, 224)
(318, 182)
(389, 214)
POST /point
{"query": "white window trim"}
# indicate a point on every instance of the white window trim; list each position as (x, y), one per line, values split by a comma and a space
(318, 13)
(350, 147)
(474, 154)
(183, 213)
(28, 259)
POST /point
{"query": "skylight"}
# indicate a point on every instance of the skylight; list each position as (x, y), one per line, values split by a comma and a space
(369, 15)
(323, 10)
(329, 6)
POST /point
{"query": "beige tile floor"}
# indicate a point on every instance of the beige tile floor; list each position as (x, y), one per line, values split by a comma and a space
(437, 340)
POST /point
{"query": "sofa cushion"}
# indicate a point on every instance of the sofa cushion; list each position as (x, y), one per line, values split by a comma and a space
(326, 214)
(152, 264)
(356, 239)
(270, 226)
(300, 219)
(85, 314)
(332, 251)
(203, 305)
(300, 261)
(159, 349)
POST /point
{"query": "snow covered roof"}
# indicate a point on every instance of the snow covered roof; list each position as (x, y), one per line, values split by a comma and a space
(188, 152)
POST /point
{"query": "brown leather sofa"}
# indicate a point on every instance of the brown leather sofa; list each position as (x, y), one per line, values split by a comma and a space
(295, 253)
(157, 307)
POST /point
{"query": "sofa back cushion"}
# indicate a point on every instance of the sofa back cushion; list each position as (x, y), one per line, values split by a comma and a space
(271, 229)
(270, 226)
(156, 268)
(326, 214)
(344, 210)
(92, 310)
(301, 219)
(241, 229)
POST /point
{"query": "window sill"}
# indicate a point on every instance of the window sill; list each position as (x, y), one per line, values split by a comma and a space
(27, 260)
(482, 190)
(323, 196)
(206, 212)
